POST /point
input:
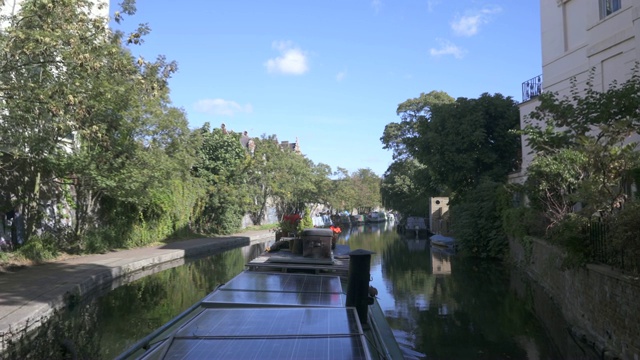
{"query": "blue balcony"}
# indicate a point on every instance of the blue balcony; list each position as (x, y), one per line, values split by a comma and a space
(531, 88)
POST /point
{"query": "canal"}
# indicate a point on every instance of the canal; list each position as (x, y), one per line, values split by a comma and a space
(439, 305)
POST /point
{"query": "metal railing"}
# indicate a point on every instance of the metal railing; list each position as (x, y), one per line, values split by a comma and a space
(603, 251)
(531, 88)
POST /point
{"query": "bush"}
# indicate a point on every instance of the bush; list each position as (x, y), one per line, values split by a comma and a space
(523, 221)
(625, 237)
(572, 233)
(306, 222)
(477, 222)
(39, 248)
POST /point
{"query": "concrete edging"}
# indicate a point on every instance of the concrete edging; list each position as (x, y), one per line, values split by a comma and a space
(103, 273)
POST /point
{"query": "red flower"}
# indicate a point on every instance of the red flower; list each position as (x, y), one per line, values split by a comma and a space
(292, 218)
(335, 229)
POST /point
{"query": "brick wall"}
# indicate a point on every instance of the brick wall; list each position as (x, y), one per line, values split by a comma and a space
(601, 304)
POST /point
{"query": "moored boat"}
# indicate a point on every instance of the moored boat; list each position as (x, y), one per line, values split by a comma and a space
(414, 226)
(345, 219)
(357, 219)
(376, 217)
(442, 241)
(301, 311)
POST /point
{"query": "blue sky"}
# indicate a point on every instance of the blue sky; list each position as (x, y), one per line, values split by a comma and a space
(332, 73)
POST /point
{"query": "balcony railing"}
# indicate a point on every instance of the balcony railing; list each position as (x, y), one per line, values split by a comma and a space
(531, 88)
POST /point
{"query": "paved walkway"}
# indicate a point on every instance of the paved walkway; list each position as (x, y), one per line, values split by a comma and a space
(31, 294)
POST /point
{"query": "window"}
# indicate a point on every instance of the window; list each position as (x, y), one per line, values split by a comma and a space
(608, 7)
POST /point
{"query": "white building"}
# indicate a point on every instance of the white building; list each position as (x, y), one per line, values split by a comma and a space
(580, 37)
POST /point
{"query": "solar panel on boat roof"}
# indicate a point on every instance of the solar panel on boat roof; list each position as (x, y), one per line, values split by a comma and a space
(256, 281)
(298, 333)
(240, 298)
(272, 322)
(273, 289)
(340, 348)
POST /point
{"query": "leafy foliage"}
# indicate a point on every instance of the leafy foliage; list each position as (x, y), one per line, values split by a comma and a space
(222, 163)
(586, 161)
(583, 147)
(625, 232)
(553, 181)
(406, 185)
(279, 175)
(94, 154)
(478, 222)
(305, 222)
(463, 142)
(360, 191)
(83, 120)
(399, 137)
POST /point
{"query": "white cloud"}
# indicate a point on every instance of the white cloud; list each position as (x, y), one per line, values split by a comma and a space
(292, 60)
(221, 107)
(431, 4)
(341, 75)
(376, 5)
(447, 48)
(469, 24)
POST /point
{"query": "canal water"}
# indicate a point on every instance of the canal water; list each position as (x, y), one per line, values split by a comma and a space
(439, 305)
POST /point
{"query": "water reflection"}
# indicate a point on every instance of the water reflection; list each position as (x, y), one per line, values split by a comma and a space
(104, 326)
(441, 306)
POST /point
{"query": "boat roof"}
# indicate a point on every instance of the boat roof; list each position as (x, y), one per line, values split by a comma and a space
(270, 316)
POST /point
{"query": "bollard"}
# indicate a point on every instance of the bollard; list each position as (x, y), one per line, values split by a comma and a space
(358, 283)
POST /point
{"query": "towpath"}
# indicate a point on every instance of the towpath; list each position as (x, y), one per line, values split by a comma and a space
(29, 295)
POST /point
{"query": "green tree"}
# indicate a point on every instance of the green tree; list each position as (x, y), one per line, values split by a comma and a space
(222, 163)
(477, 222)
(471, 139)
(399, 137)
(367, 188)
(321, 191)
(360, 191)
(407, 186)
(83, 118)
(343, 195)
(281, 178)
(552, 181)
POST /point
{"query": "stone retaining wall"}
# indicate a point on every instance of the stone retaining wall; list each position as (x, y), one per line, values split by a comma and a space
(601, 304)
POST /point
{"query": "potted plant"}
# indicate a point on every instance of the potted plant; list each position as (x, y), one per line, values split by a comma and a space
(306, 222)
(288, 226)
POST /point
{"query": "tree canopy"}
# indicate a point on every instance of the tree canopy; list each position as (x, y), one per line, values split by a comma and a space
(399, 137)
(83, 119)
(470, 139)
(406, 187)
(95, 156)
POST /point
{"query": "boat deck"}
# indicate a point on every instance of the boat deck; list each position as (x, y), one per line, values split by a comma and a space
(265, 314)
(261, 315)
(285, 261)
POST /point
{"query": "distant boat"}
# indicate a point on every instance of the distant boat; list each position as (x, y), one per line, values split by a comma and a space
(357, 219)
(376, 217)
(414, 226)
(345, 219)
(442, 241)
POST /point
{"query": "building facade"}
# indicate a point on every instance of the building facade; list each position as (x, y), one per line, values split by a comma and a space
(581, 39)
